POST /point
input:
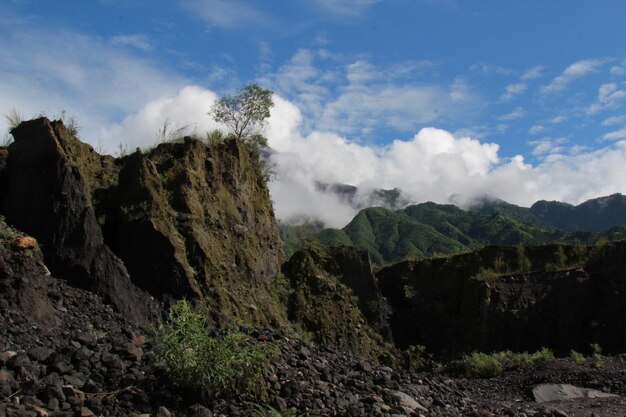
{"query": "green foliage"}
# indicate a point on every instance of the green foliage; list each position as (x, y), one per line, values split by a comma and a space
(212, 366)
(417, 359)
(245, 113)
(482, 365)
(577, 357)
(523, 263)
(215, 137)
(596, 355)
(280, 289)
(486, 275)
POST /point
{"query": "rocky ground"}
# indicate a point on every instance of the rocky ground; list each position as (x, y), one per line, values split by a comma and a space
(91, 362)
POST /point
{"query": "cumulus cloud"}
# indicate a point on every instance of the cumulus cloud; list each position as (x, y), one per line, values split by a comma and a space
(433, 165)
(188, 109)
(574, 71)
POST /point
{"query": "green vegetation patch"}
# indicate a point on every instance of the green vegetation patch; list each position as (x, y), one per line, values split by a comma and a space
(223, 367)
(483, 365)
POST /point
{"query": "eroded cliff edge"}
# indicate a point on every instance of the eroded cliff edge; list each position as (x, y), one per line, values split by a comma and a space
(182, 219)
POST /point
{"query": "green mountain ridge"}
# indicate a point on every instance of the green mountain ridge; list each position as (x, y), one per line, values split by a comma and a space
(430, 229)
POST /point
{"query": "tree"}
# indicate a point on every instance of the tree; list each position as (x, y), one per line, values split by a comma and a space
(245, 113)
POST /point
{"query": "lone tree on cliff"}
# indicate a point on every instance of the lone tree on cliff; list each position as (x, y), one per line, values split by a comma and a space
(245, 113)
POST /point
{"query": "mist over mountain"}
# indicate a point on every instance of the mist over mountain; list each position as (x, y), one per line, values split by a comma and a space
(430, 229)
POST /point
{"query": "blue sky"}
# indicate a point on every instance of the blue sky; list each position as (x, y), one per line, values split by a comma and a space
(534, 87)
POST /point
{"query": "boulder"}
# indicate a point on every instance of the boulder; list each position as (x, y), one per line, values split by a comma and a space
(560, 392)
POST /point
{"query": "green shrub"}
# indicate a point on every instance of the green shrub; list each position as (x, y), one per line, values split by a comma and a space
(417, 359)
(596, 354)
(212, 366)
(215, 137)
(577, 357)
(487, 275)
(482, 365)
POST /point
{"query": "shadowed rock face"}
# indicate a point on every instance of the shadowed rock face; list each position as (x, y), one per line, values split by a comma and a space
(46, 196)
(186, 218)
(336, 300)
(183, 219)
(23, 277)
(442, 304)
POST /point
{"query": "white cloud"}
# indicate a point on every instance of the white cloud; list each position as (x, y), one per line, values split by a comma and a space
(136, 41)
(615, 135)
(534, 72)
(433, 165)
(491, 69)
(617, 70)
(614, 120)
(574, 71)
(188, 108)
(548, 146)
(345, 8)
(559, 119)
(225, 13)
(516, 114)
(536, 129)
(93, 79)
(513, 90)
(609, 96)
(359, 97)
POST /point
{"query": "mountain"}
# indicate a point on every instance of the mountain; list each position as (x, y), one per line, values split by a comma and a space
(598, 214)
(361, 198)
(429, 229)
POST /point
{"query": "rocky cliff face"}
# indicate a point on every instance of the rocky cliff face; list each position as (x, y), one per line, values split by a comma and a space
(453, 306)
(182, 219)
(336, 301)
(23, 277)
(46, 193)
(192, 220)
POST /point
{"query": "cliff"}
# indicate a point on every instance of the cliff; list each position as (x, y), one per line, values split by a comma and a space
(183, 219)
(560, 297)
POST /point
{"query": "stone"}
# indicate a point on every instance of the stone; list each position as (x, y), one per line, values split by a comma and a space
(40, 353)
(405, 401)
(559, 392)
(163, 412)
(23, 243)
(198, 410)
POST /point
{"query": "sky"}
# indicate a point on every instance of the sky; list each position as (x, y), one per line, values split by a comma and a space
(448, 100)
